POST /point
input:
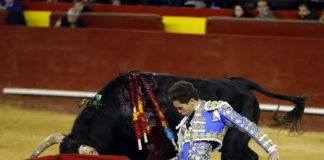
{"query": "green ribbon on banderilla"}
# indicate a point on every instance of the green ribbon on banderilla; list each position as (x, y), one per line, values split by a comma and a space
(96, 102)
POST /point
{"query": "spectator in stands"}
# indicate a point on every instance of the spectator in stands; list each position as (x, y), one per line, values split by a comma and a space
(116, 2)
(72, 20)
(195, 3)
(322, 17)
(240, 12)
(305, 13)
(215, 4)
(15, 12)
(80, 5)
(264, 10)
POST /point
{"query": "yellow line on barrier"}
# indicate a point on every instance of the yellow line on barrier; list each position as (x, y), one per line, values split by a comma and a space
(37, 18)
(185, 25)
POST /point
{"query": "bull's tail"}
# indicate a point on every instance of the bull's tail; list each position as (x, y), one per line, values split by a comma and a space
(49, 141)
(292, 118)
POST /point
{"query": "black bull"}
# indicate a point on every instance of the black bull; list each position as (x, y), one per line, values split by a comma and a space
(108, 126)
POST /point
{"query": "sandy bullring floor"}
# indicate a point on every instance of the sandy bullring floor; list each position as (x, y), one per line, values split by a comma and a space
(21, 130)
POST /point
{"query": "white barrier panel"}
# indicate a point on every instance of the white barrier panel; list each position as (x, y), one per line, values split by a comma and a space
(285, 108)
(80, 94)
(48, 92)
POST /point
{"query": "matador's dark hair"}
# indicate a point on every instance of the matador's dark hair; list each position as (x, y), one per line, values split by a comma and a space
(183, 91)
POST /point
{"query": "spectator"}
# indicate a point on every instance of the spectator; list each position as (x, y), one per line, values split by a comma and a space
(240, 12)
(15, 12)
(195, 3)
(116, 2)
(71, 20)
(305, 13)
(80, 5)
(264, 10)
(322, 17)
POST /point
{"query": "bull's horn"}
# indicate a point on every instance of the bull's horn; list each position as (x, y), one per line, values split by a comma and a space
(54, 138)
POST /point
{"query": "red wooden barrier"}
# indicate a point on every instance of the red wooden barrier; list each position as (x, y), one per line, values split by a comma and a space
(226, 25)
(3, 15)
(85, 59)
(46, 6)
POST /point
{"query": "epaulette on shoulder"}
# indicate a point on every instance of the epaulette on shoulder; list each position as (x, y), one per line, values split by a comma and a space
(213, 105)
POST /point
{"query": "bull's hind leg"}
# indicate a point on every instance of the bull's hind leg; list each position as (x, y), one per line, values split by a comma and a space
(235, 146)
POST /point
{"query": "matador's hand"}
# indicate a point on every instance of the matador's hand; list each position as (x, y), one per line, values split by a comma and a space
(274, 155)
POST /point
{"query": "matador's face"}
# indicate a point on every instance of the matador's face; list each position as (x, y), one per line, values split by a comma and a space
(185, 109)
